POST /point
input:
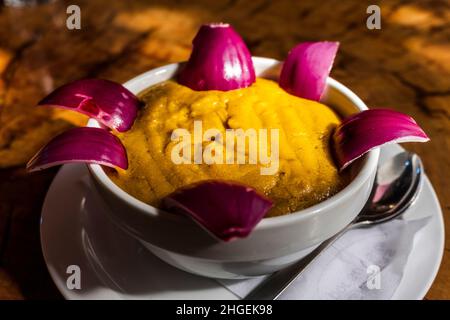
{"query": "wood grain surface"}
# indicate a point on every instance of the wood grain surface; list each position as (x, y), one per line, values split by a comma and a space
(404, 66)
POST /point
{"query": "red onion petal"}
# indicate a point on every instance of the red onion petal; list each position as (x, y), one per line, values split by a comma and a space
(226, 209)
(89, 145)
(364, 131)
(220, 60)
(306, 69)
(107, 101)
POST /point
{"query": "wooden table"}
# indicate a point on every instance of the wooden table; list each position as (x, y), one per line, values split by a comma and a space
(405, 66)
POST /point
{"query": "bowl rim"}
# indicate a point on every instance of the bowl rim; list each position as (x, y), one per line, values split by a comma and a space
(369, 165)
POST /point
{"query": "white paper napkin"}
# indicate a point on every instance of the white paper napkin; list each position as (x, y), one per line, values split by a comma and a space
(348, 269)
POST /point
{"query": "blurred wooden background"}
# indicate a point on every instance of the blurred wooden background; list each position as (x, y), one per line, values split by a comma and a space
(405, 66)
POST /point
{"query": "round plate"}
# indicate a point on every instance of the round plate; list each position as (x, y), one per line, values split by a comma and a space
(76, 231)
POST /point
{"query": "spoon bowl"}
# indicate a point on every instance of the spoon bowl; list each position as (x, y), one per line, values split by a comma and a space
(396, 186)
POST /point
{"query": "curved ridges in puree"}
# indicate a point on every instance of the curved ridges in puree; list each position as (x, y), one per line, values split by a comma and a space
(306, 173)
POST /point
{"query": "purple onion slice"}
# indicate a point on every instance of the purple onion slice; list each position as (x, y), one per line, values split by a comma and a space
(220, 60)
(227, 210)
(361, 132)
(89, 145)
(108, 102)
(306, 69)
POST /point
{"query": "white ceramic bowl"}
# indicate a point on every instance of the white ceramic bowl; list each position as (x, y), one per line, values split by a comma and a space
(274, 243)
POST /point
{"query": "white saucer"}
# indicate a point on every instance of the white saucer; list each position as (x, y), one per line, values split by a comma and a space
(75, 230)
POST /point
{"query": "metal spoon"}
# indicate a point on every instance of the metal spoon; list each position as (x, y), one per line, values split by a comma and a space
(396, 187)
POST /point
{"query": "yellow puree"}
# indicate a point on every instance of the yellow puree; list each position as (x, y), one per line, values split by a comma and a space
(306, 174)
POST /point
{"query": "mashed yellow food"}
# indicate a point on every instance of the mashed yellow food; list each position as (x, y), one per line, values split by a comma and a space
(306, 173)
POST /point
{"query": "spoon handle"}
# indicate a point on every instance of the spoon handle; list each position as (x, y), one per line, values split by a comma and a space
(275, 284)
